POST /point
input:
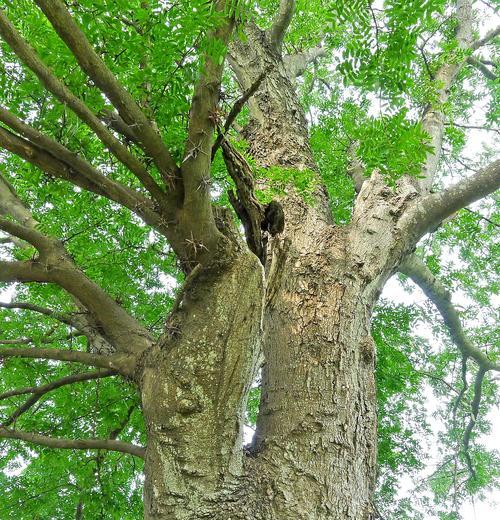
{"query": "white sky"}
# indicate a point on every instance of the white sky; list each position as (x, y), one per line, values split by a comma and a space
(486, 509)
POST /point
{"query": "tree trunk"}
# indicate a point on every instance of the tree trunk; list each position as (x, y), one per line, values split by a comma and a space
(194, 386)
(314, 452)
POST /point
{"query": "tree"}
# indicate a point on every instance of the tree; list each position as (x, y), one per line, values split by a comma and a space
(135, 136)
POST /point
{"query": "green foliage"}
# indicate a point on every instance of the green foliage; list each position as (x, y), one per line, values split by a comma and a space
(44, 483)
(379, 47)
(279, 180)
(253, 406)
(392, 145)
(401, 410)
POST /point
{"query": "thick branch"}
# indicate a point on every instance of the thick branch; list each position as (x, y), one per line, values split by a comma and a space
(96, 69)
(122, 364)
(117, 327)
(74, 444)
(39, 391)
(435, 207)
(437, 293)
(10, 204)
(55, 265)
(296, 64)
(28, 234)
(197, 215)
(13, 240)
(433, 118)
(28, 271)
(83, 176)
(30, 58)
(481, 67)
(281, 23)
(80, 172)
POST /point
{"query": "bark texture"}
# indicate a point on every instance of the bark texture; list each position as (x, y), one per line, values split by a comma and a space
(313, 456)
(194, 386)
(315, 443)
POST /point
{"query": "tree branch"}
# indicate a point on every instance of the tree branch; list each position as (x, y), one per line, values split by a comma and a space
(296, 64)
(28, 271)
(435, 207)
(92, 64)
(74, 444)
(59, 316)
(28, 234)
(113, 120)
(88, 179)
(482, 68)
(11, 205)
(80, 321)
(433, 118)
(39, 391)
(55, 265)
(116, 327)
(486, 39)
(116, 431)
(67, 380)
(281, 23)
(413, 267)
(474, 127)
(46, 338)
(29, 57)
(123, 364)
(91, 178)
(474, 414)
(13, 240)
(236, 109)
(249, 210)
(198, 218)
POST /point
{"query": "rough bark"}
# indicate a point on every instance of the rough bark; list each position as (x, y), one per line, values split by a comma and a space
(314, 451)
(194, 385)
(315, 444)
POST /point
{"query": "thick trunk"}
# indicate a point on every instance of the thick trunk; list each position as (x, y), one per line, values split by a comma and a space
(315, 444)
(194, 386)
(316, 433)
(313, 456)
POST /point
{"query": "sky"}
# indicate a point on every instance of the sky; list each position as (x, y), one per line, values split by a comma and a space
(488, 508)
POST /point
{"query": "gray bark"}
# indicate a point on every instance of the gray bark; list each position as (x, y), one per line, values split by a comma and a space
(194, 384)
(304, 318)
